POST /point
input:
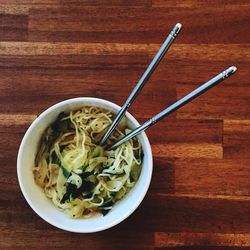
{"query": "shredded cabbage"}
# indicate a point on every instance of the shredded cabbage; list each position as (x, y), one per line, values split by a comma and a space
(79, 176)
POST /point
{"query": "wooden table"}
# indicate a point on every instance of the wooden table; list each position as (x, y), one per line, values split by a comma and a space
(51, 50)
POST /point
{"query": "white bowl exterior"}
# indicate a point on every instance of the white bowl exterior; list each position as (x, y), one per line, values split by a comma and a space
(44, 206)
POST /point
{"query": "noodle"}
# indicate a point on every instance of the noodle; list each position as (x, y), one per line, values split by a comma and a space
(80, 177)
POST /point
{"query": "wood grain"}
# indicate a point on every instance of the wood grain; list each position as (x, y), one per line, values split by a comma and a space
(147, 24)
(52, 50)
(182, 239)
(13, 27)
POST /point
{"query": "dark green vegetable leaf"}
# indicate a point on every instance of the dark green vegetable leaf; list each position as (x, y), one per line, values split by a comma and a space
(106, 207)
(105, 211)
(66, 173)
(74, 192)
(59, 126)
(86, 174)
(70, 191)
(108, 203)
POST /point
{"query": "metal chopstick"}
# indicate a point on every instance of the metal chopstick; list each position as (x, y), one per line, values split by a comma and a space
(186, 99)
(152, 66)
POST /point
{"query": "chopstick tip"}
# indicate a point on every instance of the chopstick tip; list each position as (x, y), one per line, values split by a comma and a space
(233, 68)
(178, 26)
(177, 29)
(228, 72)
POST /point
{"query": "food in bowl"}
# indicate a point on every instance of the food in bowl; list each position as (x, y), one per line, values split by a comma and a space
(43, 206)
(79, 176)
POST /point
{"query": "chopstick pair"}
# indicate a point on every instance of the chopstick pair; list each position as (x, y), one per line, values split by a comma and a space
(178, 104)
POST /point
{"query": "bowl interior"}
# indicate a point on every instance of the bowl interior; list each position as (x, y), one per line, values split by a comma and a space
(43, 206)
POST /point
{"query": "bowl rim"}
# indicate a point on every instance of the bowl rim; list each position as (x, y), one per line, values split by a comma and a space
(99, 102)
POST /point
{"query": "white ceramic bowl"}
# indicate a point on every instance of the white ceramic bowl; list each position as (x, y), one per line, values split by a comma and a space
(43, 206)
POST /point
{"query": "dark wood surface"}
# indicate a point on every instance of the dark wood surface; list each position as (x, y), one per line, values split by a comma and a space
(51, 50)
